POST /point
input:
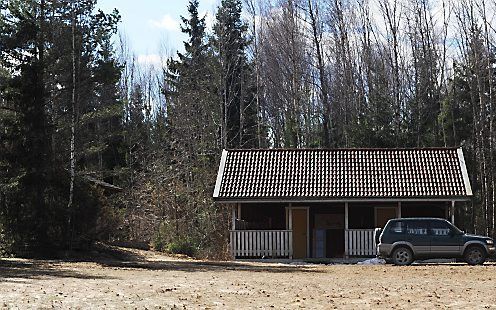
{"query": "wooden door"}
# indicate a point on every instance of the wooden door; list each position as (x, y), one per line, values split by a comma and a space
(300, 230)
(383, 215)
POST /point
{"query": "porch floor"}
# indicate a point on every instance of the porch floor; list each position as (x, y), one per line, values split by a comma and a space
(326, 261)
(338, 261)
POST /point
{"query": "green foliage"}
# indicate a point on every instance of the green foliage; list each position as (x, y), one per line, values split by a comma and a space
(160, 239)
(5, 242)
(110, 218)
(181, 246)
(236, 86)
(36, 48)
(184, 170)
(226, 90)
(165, 241)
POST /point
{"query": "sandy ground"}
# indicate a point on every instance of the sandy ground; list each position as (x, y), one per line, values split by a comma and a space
(152, 281)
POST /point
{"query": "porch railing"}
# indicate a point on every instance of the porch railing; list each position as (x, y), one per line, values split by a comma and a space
(360, 242)
(260, 243)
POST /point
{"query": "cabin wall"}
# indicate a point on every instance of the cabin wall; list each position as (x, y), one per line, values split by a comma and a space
(361, 215)
(326, 229)
(425, 209)
(263, 216)
(326, 221)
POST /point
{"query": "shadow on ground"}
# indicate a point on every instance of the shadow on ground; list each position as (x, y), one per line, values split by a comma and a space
(202, 266)
(113, 257)
(39, 269)
(116, 257)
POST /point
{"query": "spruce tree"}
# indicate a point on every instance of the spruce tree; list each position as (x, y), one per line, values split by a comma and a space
(192, 123)
(53, 51)
(237, 87)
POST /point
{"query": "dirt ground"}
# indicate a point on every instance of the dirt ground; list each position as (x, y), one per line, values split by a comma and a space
(147, 280)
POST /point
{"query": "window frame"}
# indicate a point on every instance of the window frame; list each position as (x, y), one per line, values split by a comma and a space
(426, 227)
(392, 225)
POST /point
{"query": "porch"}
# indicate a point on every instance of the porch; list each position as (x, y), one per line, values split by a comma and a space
(319, 230)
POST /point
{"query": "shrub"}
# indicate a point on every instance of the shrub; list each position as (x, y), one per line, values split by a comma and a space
(165, 242)
(159, 243)
(181, 246)
(160, 239)
(5, 243)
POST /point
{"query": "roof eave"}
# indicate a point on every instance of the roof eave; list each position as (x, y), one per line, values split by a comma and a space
(344, 199)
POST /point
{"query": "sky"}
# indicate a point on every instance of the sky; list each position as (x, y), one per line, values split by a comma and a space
(152, 27)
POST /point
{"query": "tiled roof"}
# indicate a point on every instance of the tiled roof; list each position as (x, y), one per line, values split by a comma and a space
(340, 174)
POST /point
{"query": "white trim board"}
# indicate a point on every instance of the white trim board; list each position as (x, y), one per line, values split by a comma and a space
(220, 174)
(463, 167)
(274, 200)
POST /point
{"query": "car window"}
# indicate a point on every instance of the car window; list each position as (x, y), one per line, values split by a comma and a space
(397, 227)
(416, 228)
(440, 228)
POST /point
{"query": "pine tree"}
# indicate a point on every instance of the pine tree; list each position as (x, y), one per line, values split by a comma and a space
(45, 48)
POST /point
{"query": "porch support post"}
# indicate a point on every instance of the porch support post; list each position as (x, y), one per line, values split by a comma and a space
(239, 211)
(452, 212)
(290, 217)
(290, 227)
(399, 210)
(233, 217)
(346, 254)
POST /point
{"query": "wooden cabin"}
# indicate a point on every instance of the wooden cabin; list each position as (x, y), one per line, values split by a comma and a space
(326, 203)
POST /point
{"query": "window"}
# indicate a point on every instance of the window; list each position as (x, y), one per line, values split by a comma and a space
(440, 228)
(397, 227)
(416, 228)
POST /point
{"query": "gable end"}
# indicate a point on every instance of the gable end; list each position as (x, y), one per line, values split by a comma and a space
(220, 173)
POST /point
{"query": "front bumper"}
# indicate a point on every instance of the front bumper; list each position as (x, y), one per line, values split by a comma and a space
(491, 250)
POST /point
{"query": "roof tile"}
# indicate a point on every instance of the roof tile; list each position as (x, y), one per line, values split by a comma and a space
(350, 173)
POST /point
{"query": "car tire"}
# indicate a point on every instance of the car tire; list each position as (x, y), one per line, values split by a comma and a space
(402, 256)
(475, 255)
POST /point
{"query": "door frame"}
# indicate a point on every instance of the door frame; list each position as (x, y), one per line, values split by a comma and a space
(289, 222)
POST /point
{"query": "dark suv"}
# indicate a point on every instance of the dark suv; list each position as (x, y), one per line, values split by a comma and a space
(404, 240)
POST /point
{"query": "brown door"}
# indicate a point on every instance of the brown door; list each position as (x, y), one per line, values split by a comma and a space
(383, 215)
(299, 233)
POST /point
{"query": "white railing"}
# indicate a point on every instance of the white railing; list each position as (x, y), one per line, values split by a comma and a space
(360, 242)
(260, 243)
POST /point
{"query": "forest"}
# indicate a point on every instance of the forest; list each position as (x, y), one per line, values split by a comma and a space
(95, 146)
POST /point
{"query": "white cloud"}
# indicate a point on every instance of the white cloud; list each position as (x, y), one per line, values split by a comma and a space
(167, 22)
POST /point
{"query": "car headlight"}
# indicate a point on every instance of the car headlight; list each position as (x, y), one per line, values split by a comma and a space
(489, 241)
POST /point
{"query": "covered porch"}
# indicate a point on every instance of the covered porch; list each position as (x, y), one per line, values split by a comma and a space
(319, 229)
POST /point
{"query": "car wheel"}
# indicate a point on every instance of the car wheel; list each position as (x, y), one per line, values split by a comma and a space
(402, 256)
(475, 255)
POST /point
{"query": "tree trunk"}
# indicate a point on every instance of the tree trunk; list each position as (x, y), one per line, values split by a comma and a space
(72, 168)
